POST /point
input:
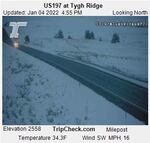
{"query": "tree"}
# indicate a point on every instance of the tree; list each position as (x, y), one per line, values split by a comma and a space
(89, 35)
(59, 35)
(115, 38)
(92, 36)
(27, 39)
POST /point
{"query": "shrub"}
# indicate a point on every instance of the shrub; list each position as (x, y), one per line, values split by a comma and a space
(69, 37)
(100, 39)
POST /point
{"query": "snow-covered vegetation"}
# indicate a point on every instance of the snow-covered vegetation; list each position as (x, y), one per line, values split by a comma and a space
(37, 93)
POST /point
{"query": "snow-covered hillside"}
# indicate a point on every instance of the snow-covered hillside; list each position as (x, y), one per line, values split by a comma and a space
(37, 93)
(128, 58)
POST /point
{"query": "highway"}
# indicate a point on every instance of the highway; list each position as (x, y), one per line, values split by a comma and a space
(128, 96)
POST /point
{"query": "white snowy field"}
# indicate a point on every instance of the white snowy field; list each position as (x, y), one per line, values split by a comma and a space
(128, 58)
(127, 61)
(37, 93)
(40, 94)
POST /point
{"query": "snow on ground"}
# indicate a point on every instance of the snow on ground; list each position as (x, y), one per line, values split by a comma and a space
(128, 58)
(37, 93)
(119, 58)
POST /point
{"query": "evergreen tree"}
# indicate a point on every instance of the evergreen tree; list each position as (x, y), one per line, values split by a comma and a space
(27, 39)
(92, 35)
(59, 35)
(89, 35)
(115, 38)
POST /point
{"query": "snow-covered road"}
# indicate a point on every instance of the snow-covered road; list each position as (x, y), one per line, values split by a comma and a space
(124, 94)
(41, 94)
